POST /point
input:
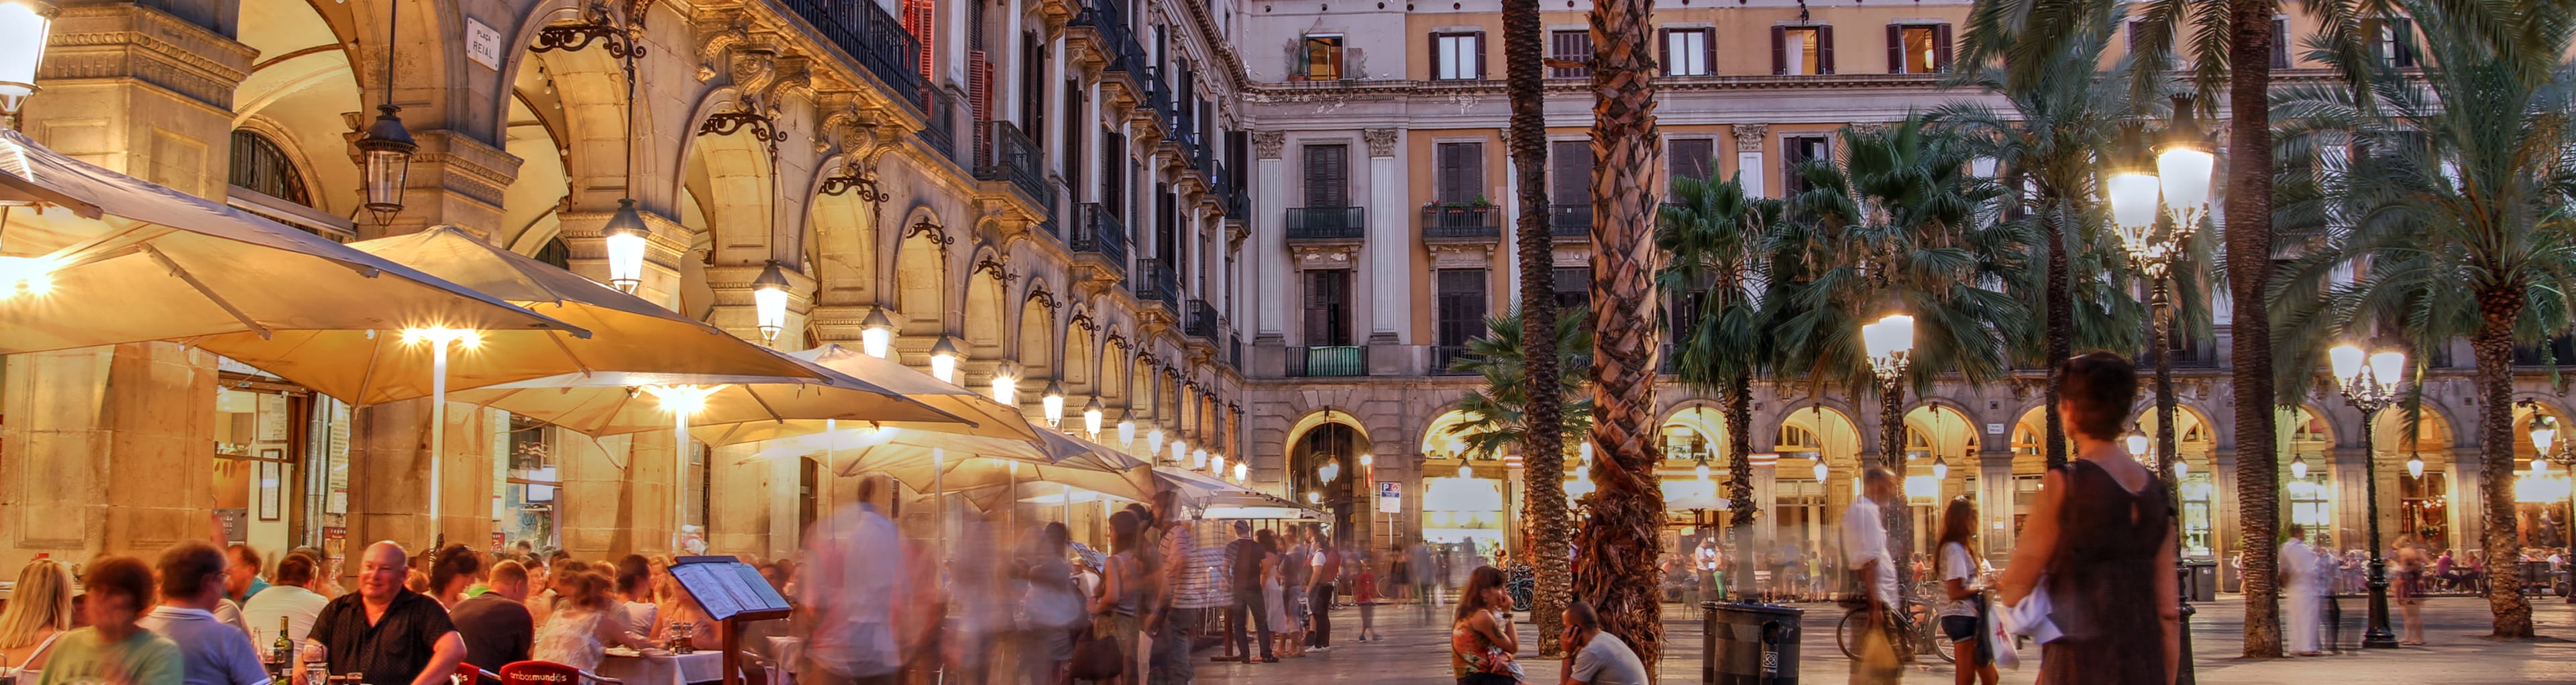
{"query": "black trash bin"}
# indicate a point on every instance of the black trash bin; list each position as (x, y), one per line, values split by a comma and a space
(2201, 580)
(1749, 644)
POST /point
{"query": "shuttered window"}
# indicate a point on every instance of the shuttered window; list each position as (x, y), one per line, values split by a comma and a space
(1802, 50)
(1457, 56)
(1319, 58)
(1692, 157)
(1461, 310)
(1113, 168)
(1688, 52)
(1328, 307)
(1328, 175)
(1073, 137)
(2280, 43)
(1570, 46)
(2392, 41)
(1918, 48)
(1461, 172)
(1797, 151)
(1573, 286)
(1569, 172)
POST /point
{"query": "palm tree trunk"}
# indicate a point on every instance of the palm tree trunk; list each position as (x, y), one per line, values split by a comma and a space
(1619, 543)
(2249, 271)
(2061, 320)
(2497, 308)
(1543, 437)
(1896, 518)
(1739, 478)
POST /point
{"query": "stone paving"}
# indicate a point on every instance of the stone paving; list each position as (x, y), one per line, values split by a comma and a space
(1415, 652)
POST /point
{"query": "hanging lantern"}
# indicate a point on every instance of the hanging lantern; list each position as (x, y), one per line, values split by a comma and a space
(1052, 403)
(26, 27)
(386, 148)
(876, 334)
(2299, 467)
(1091, 418)
(1006, 384)
(1940, 468)
(627, 237)
(1241, 473)
(1180, 450)
(1126, 432)
(1821, 471)
(769, 300)
(943, 360)
(2415, 466)
(1215, 464)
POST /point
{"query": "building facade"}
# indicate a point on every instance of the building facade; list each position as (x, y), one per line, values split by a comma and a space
(1262, 227)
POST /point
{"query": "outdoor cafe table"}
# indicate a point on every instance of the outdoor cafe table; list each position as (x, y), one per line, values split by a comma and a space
(656, 667)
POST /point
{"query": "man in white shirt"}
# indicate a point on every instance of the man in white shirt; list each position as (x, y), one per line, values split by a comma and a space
(293, 600)
(1865, 553)
(192, 581)
(2304, 586)
(1704, 564)
(855, 575)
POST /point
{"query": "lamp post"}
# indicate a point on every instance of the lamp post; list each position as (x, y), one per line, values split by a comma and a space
(26, 26)
(1890, 345)
(683, 401)
(2544, 432)
(2370, 387)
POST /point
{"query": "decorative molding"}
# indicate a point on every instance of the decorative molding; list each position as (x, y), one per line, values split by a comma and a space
(1466, 256)
(994, 264)
(719, 36)
(746, 113)
(1750, 137)
(1266, 144)
(1038, 291)
(937, 235)
(1343, 256)
(1082, 319)
(1869, 127)
(596, 26)
(1381, 141)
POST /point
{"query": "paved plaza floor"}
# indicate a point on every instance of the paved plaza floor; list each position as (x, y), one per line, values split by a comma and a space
(1415, 652)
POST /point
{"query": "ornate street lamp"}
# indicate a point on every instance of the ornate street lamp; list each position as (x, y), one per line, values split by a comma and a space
(1091, 414)
(627, 236)
(386, 148)
(1154, 441)
(1941, 468)
(26, 27)
(1821, 470)
(943, 360)
(2370, 387)
(1127, 429)
(1215, 464)
(2544, 433)
(1051, 403)
(1180, 450)
(1241, 473)
(876, 334)
(1890, 343)
(769, 301)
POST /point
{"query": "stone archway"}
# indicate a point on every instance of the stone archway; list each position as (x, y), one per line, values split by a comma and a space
(921, 279)
(1037, 341)
(295, 97)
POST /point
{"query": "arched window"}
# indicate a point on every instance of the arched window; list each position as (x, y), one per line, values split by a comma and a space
(557, 253)
(260, 165)
(1794, 439)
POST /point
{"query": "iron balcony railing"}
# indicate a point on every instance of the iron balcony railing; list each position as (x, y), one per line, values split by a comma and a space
(1569, 221)
(872, 36)
(1158, 283)
(1442, 221)
(1234, 351)
(1444, 356)
(1199, 320)
(1010, 156)
(1098, 230)
(1327, 361)
(1125, 54)
(941, 131)
(1158, 96)
(1327, 223)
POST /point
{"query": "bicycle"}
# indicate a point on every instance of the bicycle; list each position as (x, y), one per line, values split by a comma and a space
(1915, 632)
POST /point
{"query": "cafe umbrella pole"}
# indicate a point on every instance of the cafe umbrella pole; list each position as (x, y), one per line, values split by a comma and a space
(438, 339)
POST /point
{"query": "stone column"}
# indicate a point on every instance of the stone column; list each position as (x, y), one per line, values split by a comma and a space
(1386, 278)
(1268, 270)
(1995, 502)
(1750, 139)
(1766, 482)
(108, 446)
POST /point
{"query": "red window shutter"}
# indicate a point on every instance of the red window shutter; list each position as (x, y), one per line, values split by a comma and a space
(1779, 50)
(1825, 49)
(1435, 57)
(1941, 47)
(919, 17)
(1476, 42)
(1708, 51)
(1664, 50)
(1895, 49)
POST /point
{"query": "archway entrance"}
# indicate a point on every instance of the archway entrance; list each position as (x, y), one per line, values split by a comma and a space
(1321, 466)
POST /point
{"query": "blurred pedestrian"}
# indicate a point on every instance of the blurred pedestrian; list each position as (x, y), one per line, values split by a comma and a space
(1247, 621)
(1865, 553)
(1364, 594)
(587, 620)
(114, 648)
(1327, 562)
(2303, 586)
(192, 580)
(38, 613)
(2406, 570)
(1963, 601)
(855, 578)
(1426, 578)
(2100, 534)
(496, 625)
(1275, 597)
(1296, 577)
(292, 599)
(1123, 592)
(1190, 591)
(1054, 607)
(634, 590)
(241, 577)
(384, 631)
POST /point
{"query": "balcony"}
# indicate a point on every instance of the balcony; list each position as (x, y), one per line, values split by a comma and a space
(941, 132)
(1097, 230)
(1009, 155)
(876, 39)
(1199, 320)
(1326, 362)
(1327, 223)
(1442, 356)
(1158, 284)
(1461, 223)
(1104, 26)
(1234, 351)
(1570, 221)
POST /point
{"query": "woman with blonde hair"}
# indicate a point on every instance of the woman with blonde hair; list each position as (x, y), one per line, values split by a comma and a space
(40, 610)
(585, 623)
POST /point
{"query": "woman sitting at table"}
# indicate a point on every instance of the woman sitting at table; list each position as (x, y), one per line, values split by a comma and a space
(681, 608)
(586, 623)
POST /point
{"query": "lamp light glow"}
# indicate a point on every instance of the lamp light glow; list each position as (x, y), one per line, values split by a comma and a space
(626, 236)
(1126, 432)
(1006, 385)
(2415, 466)
(943, 360)
(1199, 458)
(1890, 342)
(2346, 360)
(1701, 470)
(1154, 441)
(2542, 435)
(1821, 471)
(2184, 170)
(1052, 403)
(769, 300)
(2387, 367)
(2139, 445)
(1091, 414)
(1215, 464)
(1180, 450)
(1241, 473)
(2299, 467)
(26, 27)
(1941, 468)
(876, 334)
(2181, 468)
(2133, 205)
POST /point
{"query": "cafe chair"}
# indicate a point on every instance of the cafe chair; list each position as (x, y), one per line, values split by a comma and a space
(469, 674)
(551, 673)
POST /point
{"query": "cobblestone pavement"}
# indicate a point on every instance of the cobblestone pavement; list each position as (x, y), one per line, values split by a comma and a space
(1415, 651)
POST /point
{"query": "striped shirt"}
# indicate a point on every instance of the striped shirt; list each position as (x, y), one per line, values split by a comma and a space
(1190, 570)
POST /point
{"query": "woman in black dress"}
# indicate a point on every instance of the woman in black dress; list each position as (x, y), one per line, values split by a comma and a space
(2100, 537)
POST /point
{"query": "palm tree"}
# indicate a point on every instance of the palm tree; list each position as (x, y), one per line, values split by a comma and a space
(1617, 546)
(1544, 512)
(1893, 227)
(1716, 238)
(2452, 219)
(1498, 413)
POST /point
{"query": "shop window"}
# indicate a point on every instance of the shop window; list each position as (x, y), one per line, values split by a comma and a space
(2197, 495)
(1798, 438)
(532, 482)
(2312, 506)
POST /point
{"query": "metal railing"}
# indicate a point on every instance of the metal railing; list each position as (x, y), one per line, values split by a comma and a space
(1327, 361)
(1158, 97)
(1568, 221)
(1098, 230)
(1442, 356)
(1156, 282)
(1234, 351)
(941, 131)
(1327, 223)
(1010, 156)
(873, 37)
(1439, 221)
(1199, 320)
(1125, 54)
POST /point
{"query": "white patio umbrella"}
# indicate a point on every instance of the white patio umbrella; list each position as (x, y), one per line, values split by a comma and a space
(990, 419)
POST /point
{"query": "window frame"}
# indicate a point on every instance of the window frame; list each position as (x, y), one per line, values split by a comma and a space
(1707, 51)
(1555, 50)
(1823, 39)
(1337, 52)
(1443, 70)
(1900, 54)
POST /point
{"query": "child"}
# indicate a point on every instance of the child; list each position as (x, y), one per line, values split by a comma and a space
(1364, 592)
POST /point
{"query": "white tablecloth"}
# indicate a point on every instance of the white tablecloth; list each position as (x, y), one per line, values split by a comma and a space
(665, 669)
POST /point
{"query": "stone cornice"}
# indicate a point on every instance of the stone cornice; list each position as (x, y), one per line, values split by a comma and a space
(128, 41)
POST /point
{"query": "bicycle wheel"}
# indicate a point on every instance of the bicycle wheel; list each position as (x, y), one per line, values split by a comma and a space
(1847, 632)
(1939, 643)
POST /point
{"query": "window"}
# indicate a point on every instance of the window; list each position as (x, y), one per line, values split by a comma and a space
(1462, 313)
(1319, 58)
(1570, 46)
(1691, 158)
(1328, 175)
(1569, 187)
(1918, 48)
(2137, 32)
(1459, 178)
(2311, 505)
(260, 165)
(555, 253)
(1796, 151)
(1573, 287)
(1796, 439)
(1328, 307)
(1113, 169)
(1807, 50)
(1683, 443)
(533, 480)
(2392, 41)
(2280, 43)
(1688, 52)
(1457, 56)
(2197, 494)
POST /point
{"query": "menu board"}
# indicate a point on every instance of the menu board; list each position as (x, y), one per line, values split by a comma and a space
(725, 587)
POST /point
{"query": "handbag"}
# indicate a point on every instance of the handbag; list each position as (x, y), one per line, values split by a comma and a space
(1096, 658)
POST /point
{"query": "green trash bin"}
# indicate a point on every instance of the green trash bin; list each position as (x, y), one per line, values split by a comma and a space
(1749, 644)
